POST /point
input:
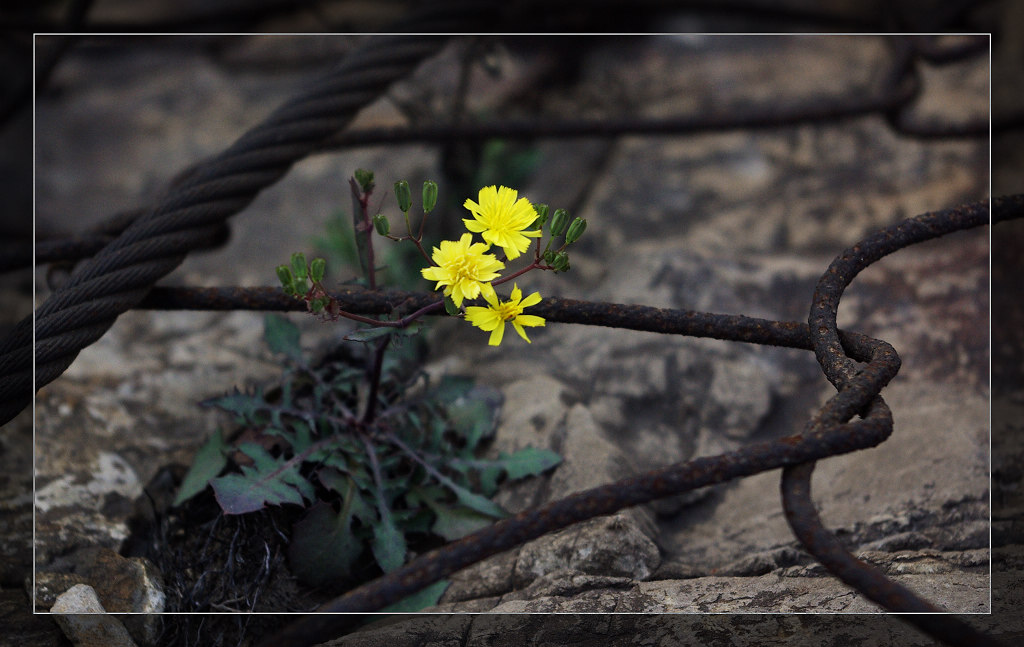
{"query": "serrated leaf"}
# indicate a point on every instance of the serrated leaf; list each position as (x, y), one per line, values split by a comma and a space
(282, 336)
(452, 387)
(369, 334)
(455, 523)
(388, 544)
(209, 461)
(529, 461)
(302, 438)
(269, 481)
(422, 599)
(474, 501)
(322, 548)
(489, 475)
(525, 462)
(474, 415)
(245, 406)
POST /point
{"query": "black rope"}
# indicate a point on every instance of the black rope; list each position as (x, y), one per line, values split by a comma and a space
(189, 214)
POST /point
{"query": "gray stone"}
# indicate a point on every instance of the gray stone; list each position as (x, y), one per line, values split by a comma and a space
(85, 622)
(122, 585)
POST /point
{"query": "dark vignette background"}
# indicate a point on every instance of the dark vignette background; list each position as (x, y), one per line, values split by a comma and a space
(1007, 314)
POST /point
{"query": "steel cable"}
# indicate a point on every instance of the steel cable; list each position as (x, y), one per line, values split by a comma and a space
(156, 243)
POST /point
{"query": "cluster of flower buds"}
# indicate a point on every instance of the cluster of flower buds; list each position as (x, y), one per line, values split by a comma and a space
(404, 196)
(468, 268)
(295, 279)
(558, 259)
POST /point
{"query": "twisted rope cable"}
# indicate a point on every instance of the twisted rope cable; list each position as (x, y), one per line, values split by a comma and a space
(120, 275)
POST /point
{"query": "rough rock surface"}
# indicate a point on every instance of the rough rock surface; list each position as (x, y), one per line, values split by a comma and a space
(739, 222)
(84, 620)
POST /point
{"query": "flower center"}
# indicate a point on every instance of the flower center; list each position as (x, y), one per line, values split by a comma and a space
(464, 268)
(508, 311)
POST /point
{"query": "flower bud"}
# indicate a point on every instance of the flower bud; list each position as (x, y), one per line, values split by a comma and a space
(381, 224)
(365, 179)
(576, 229)
(561, 262)
(284, 274)
(559, 222)
(429, 196)
(549, 256)
(299, 266)
(542, 216)
(404, 195)
(317, 269)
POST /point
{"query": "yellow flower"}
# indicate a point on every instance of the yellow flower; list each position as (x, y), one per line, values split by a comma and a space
(502, 220)
(465, 270)
(494, 316)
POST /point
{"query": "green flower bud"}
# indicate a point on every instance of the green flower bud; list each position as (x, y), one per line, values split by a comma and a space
(404, 195)
(576, 229)
(450, 307)
(299, 265)
(549, 256)
(365, 179)
(317, 269)
(542, 216)
(284, 274)
(381, 224)
(429, 196)
(559, 222)
(561, 262)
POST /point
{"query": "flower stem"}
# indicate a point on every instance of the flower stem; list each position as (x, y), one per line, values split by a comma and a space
(364, 225)
(532, 266)
(375, 371)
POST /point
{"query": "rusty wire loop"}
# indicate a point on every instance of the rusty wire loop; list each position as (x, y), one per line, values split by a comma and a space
(858, 365)
(121, 276)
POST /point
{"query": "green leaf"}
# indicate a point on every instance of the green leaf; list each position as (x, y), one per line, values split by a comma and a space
(323, 549)
(525, 462)
(388, 544)
(269, 481)
(282, 336)
(472, 409)
(452, 387)
(529, 461)
(474, 420)
(209, 461)
(473, 501)
(245, 406)
(302, 438)
(422, 599)
(369, 334)
(454, 523)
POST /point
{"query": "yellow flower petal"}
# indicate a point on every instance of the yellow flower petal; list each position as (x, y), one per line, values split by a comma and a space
(496, 335)
(462, 268)
(530, 320)
(531, 300)
(501, 217)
